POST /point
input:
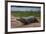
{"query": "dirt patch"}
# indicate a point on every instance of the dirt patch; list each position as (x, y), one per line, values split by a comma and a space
(18, 24)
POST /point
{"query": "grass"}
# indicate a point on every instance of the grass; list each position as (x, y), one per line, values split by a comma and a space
(26, 13)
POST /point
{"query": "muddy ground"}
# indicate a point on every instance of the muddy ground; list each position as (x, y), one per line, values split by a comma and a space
(17, 24)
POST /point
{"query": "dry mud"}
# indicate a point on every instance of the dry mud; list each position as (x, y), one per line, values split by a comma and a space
(17, 24)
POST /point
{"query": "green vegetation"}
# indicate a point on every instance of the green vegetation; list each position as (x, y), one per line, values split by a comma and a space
(25, 13)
